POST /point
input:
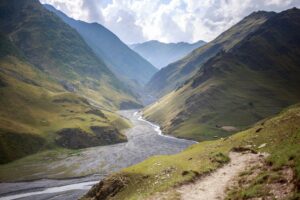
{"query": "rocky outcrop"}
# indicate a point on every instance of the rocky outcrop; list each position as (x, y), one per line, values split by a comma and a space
(75, 138)
(68, 86)
(108, 135)
(107, 188)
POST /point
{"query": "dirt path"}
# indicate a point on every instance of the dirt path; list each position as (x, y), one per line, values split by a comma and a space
(213, 186)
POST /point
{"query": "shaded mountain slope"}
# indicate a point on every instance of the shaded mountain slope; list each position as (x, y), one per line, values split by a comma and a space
(161, 54)
(123, 61)
(175, 74)
(254, 79)
(161, 176)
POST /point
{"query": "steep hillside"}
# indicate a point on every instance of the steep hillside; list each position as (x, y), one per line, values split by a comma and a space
(161, 54)
(278, 136)
(236, 88)
(58, 50)
(38, 113)
(117, 56)
(47, 77)
(175, 74)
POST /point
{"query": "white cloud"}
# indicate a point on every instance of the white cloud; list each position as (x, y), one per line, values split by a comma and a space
(167, 20)
(72, 8)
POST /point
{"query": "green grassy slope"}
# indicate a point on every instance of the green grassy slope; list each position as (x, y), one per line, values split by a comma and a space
(175, 74)
(58, 50)
(48, 77)
(34, 109)
(254, 79)
(280, 134)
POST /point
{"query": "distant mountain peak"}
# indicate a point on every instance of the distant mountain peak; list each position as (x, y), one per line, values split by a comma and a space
(161, 54)
(293, 10)
(168, 43)
(259, 14)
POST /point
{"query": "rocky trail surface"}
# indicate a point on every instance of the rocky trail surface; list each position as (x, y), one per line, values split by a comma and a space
(214, 186)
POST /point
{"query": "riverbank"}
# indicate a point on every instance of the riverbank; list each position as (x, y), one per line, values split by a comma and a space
(202, 167)
(144, 140)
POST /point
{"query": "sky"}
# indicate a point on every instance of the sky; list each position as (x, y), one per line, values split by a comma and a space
(135, 21)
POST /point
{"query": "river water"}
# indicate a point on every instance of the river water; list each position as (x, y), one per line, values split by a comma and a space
(144, 140)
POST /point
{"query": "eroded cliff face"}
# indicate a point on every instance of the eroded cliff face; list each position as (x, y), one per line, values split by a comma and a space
(107, 188)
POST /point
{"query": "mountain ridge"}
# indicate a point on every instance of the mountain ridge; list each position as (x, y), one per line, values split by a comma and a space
(117, 56)
(253, 79)
(47, 76)
(161, 54)
(174, 75)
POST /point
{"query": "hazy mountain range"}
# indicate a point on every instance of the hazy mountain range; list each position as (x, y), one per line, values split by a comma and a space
(161, 54)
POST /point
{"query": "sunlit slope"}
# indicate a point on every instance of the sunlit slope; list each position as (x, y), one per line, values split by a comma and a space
(279, 136)
(175, 74)
(55, 93)
(38, 114)
(254, 79)
(58, 50)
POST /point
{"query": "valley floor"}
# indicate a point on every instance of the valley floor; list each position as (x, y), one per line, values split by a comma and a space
(144, 141)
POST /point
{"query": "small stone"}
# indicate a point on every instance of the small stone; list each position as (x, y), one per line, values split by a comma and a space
(262, 145)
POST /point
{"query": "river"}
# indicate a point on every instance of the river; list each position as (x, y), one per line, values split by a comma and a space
(144, 140)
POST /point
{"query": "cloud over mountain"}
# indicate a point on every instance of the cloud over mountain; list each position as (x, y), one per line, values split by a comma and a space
(170, 20)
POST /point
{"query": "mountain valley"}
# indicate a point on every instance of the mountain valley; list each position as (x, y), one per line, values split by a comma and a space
(161, 54)
(85, 116)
